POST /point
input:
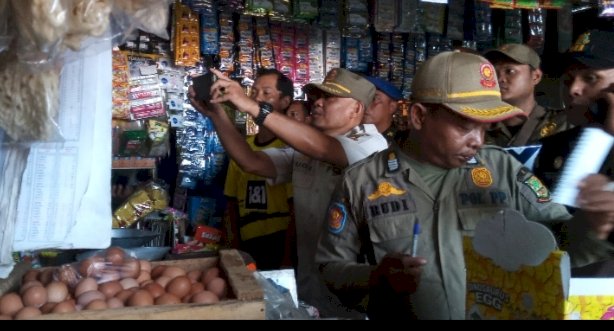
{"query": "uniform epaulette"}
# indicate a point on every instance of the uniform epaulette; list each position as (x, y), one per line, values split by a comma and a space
(363, 161)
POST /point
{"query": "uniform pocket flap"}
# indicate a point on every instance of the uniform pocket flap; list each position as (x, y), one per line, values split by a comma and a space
(386, 229)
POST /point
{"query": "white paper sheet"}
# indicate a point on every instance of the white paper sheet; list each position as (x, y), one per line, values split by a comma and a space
(591, 286)
(65, 199)
(13, 161)
(586, 158)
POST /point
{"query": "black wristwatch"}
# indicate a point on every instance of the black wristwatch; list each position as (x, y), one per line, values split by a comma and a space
(265, 110)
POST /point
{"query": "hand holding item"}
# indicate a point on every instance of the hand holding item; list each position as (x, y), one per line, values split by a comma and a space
(400, 271)
(596, 198)
(200, 105)
(228, 90)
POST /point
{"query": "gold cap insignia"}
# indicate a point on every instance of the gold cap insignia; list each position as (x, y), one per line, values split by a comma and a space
(488, 76)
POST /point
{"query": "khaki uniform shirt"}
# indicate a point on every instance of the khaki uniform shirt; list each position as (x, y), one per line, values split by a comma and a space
(381, 198)
(313, 183)
(541, 123)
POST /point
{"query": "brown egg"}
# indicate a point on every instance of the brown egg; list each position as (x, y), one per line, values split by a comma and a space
(35, 296)
(86, 285)
(157, 271)
(64, 307)
(46, 276)
(163, 280)
(29, 284)
(173, 272)
(197, 288)
(218, 287)
(145, 283)
(56, 292)
(154, 289)
(205, 297)
(140, 298)
(124, 295)
(128, 283)
(10, 304)
(167, 299)
(5, 318)
(30, 275)
(110, 289)
(27, 313)
(84, 299)
(48, 307)
(98, 304)
(209, 274)
(195, 275)
(143, 277)
(115, 255)
(179, 286)
(113, 303)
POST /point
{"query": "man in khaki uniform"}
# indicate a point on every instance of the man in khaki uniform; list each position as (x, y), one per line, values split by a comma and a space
(313, 161)
(445, 181)
(518, 72)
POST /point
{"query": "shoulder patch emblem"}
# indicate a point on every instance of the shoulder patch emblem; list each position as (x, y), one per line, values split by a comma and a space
(539, 189)
(393, 162)
(337, 217)
(481, 177)
(385, 189)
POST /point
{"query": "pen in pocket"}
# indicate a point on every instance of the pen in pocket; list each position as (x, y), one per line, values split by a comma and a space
(415, 238)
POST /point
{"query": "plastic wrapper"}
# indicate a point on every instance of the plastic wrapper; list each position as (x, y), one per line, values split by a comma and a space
(108, 265)
(147, 15)
(279, 303)
(41, 28)
(47, 28)
(153, 197)
(29, 101)
(87, 18)
(158, 134)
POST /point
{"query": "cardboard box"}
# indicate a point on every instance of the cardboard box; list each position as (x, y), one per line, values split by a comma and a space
(590, 299)
(514, 271)
(246, 298)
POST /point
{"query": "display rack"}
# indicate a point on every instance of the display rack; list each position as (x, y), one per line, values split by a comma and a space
(134, 163)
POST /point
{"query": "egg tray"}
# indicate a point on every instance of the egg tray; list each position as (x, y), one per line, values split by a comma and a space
(245, 298)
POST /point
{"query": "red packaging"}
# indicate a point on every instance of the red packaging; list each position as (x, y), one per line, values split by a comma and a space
(207, 235)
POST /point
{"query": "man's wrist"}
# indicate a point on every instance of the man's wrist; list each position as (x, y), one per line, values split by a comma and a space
(264, 110)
